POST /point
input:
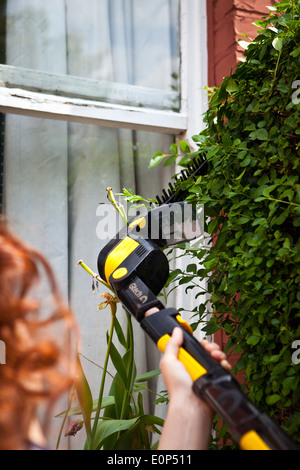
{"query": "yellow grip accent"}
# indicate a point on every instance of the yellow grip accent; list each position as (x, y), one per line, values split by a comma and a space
(252, 441)
(184, 324)
(193, 367)
(118, 255)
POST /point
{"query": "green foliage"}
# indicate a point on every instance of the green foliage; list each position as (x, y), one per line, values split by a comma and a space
(251, 195)
(123, 424)
(117, 421)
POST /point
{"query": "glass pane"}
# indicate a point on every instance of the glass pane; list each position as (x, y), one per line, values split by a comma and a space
(55, 179)
(55, 176)
(132, 42)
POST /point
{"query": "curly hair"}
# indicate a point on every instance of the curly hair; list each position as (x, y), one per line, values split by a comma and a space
(37, 368)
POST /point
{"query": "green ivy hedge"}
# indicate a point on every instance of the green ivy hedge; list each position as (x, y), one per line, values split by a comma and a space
(251, 195)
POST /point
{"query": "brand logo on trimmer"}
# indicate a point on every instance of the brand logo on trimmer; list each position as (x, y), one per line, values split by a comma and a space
(138, 293)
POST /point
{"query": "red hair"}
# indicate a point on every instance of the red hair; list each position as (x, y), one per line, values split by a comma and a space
(37, 367)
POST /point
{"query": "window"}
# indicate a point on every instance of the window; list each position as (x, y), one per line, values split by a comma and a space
(108, 51)
(89, 91)
(116, 63)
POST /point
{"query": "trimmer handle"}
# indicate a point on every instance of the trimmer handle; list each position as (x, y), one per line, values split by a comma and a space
(137, 269)
(212, 383)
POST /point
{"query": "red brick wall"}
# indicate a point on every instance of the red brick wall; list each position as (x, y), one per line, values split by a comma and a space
(228, 20)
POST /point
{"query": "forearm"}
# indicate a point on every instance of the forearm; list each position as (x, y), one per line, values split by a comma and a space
(188, 423)
(187, 426)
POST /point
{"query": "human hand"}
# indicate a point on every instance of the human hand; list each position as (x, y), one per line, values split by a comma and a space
(189, 419)
(177, 380)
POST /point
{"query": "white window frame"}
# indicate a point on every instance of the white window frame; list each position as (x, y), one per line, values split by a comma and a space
(19, 96)
(182, 125)
(194, 75)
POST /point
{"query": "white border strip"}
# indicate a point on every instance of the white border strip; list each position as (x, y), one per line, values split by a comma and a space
(27, 103)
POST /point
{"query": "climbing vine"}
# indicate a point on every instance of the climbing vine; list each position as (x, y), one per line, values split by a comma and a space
(251, 196)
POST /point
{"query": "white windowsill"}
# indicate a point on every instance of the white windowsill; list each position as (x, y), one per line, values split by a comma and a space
(29, 103)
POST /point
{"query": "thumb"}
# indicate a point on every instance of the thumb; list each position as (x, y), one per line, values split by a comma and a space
(174, 342)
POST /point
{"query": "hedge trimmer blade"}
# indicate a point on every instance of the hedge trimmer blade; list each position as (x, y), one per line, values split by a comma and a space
(174, 193)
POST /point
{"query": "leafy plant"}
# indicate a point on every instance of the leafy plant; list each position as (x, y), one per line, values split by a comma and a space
(251, 195)
(116, 421)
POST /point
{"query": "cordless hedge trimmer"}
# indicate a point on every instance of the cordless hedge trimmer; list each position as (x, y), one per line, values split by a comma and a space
(135, 266)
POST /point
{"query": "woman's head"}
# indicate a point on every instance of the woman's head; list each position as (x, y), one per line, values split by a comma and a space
(35, 326)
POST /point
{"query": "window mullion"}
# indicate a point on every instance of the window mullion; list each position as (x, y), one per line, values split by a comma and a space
(194, 64)
(193, 104)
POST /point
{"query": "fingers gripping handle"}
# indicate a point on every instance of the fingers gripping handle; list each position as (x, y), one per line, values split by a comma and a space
(197, 360)
(194, 368)
(252, 429)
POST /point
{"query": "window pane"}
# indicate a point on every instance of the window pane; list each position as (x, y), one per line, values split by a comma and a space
(132, 42)
(56, 175)
(55, 179)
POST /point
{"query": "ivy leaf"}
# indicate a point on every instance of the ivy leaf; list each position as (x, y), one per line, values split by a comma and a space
(296, 52)
(246, 161)
(262, 134)
(253, 340)
(243, 220)
(174, 149)
(184, 146)
(272, 399)
(156, 160)
(170, 160)
(244, 44)
(277, 44)
(252, 189)
(232, 86)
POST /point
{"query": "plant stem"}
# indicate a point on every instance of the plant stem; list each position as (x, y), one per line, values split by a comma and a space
(87, 269)
(65, 417)
(119, 208)
(283, 202)
(130, 348)
(276, 69)
(116, 382)
(113, 315)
